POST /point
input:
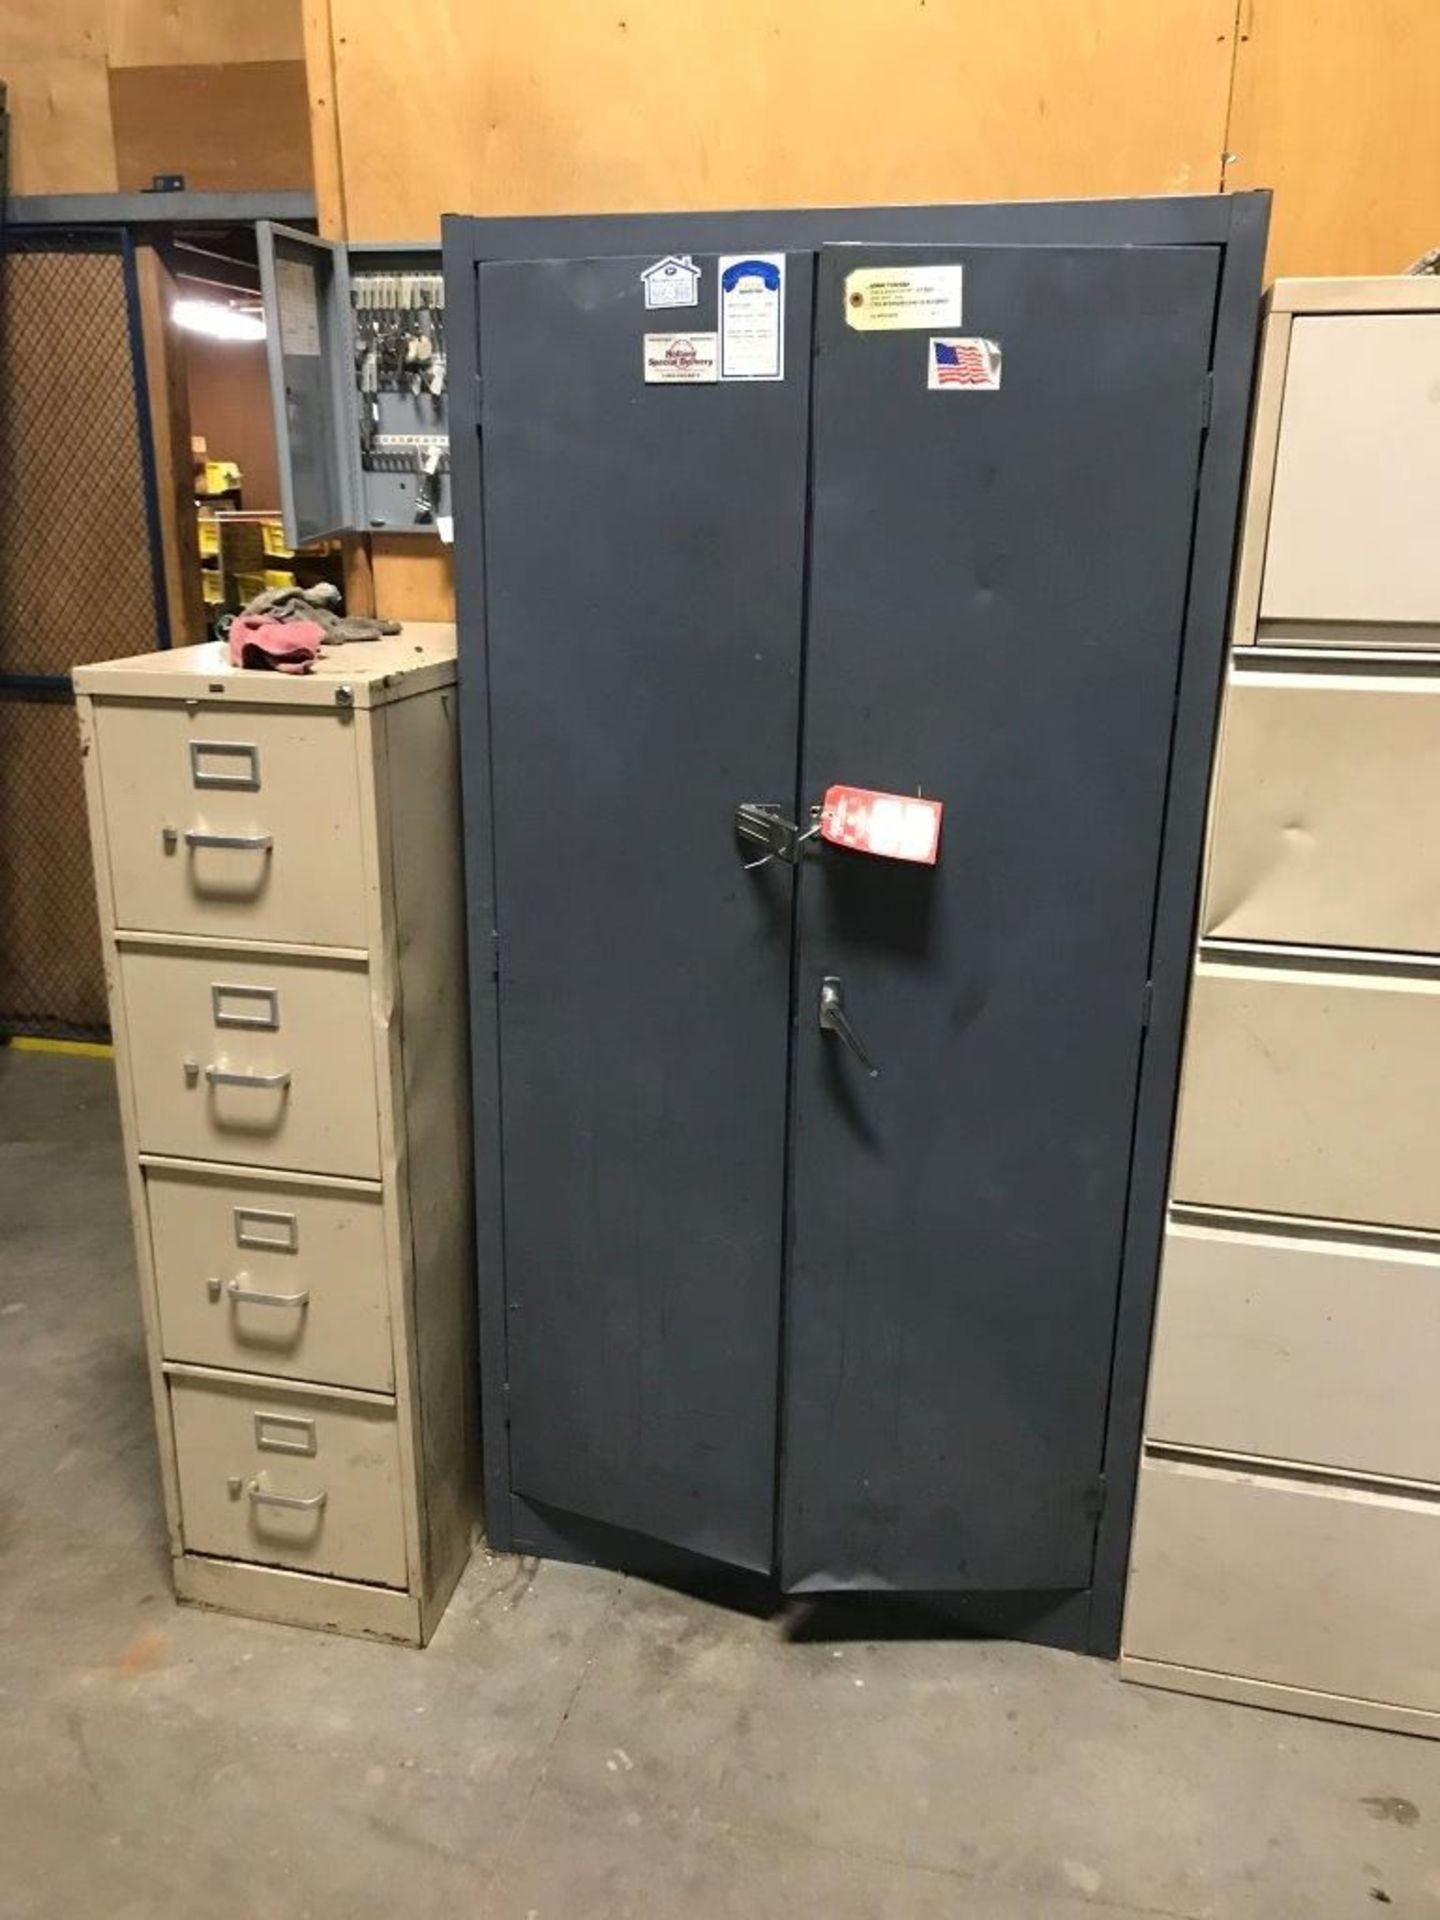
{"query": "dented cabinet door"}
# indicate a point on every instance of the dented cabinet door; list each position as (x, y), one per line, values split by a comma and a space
(980, 632)
(1357, 474)
(645, 548)
(1325, 787)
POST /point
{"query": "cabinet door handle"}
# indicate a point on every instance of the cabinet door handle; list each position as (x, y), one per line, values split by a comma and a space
(240, 842)
(252, 1297)
(834, 1019)
(223, 1077)
(303, 1502)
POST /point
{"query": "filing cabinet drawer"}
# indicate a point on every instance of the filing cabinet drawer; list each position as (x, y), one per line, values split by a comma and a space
(1357, 472)
(1321, 781)
(1324, 1587)
(264, 1062)
(234, 821)
(1307, 1091)
(289, 1480)
(1299, 1348)
(271, 1279)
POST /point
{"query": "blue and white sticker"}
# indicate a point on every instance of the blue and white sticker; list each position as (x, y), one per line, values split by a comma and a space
(752, 316)
(672, 282)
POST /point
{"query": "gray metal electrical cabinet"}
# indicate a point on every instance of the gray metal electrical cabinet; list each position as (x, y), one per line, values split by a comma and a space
(361, 406)
(819, 1193)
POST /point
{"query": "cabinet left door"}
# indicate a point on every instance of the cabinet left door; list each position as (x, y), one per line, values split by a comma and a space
(305, 285)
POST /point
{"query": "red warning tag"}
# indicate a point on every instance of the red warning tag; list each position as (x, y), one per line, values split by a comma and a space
(896, 826)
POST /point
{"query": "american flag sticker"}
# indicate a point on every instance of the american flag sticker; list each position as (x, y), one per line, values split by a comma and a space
(964, 364)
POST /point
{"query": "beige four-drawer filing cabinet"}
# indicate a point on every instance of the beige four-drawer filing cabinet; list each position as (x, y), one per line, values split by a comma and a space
(277, 862)
(1287, 1543)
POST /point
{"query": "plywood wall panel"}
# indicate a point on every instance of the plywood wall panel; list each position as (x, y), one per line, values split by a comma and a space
(1334, 107)
(237, 128)
(35, 32)
(414, 578)
(193, 33)
(512, 107)
(75, 67)
(61, 140)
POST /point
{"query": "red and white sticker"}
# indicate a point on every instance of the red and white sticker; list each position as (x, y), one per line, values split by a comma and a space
(894, 826)
(681, 359)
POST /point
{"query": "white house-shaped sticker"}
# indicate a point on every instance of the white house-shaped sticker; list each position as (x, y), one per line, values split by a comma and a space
(672, 282)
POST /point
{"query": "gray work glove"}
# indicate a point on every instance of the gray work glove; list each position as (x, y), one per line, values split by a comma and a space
(319, 604)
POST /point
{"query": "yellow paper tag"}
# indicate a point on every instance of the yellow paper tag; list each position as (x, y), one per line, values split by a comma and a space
(888, 299)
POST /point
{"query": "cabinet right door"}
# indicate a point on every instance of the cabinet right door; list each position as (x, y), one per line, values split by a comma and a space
(1000, 545)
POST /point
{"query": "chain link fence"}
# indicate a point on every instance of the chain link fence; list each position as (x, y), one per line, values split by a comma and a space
(77, 582)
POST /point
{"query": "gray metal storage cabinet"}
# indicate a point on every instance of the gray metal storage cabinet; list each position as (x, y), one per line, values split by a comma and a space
(924, 500)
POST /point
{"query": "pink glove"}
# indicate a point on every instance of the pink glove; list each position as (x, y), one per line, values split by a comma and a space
(289, 646)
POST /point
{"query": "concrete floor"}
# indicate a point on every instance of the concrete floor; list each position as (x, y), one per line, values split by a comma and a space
(573, 1746)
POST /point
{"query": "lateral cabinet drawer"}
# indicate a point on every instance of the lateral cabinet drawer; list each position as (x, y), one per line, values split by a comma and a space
(1324, 1587)
(289, 1480)
(1357, 472)
(265, 1062)
(1298, 1348)
(237, 821)
(271, 1279)
(1322, 781)
(1307, 1091)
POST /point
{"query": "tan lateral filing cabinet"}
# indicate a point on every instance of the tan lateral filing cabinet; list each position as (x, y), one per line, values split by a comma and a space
(1287, 1540)
(277, 861)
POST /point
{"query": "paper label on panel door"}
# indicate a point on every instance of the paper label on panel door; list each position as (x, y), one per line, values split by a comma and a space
(680, 359)
(752, 316)
(889, 299)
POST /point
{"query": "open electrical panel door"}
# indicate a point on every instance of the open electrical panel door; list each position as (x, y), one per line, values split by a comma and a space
(305, 285)
(355, 340)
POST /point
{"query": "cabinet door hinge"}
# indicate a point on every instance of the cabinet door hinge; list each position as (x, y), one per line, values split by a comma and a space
(1095, 1497)
(1147, 1000)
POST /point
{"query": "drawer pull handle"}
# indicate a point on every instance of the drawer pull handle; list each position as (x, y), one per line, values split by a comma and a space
(304, 1502)
(239, 842)
(252, 1297)
(223, 1077)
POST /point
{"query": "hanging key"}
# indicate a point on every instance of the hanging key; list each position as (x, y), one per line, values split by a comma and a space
(427, 482)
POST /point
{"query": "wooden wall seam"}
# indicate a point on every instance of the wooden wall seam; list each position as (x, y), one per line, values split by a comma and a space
(327, 152)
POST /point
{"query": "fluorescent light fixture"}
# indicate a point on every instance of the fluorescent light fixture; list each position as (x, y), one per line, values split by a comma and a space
(221, 323)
